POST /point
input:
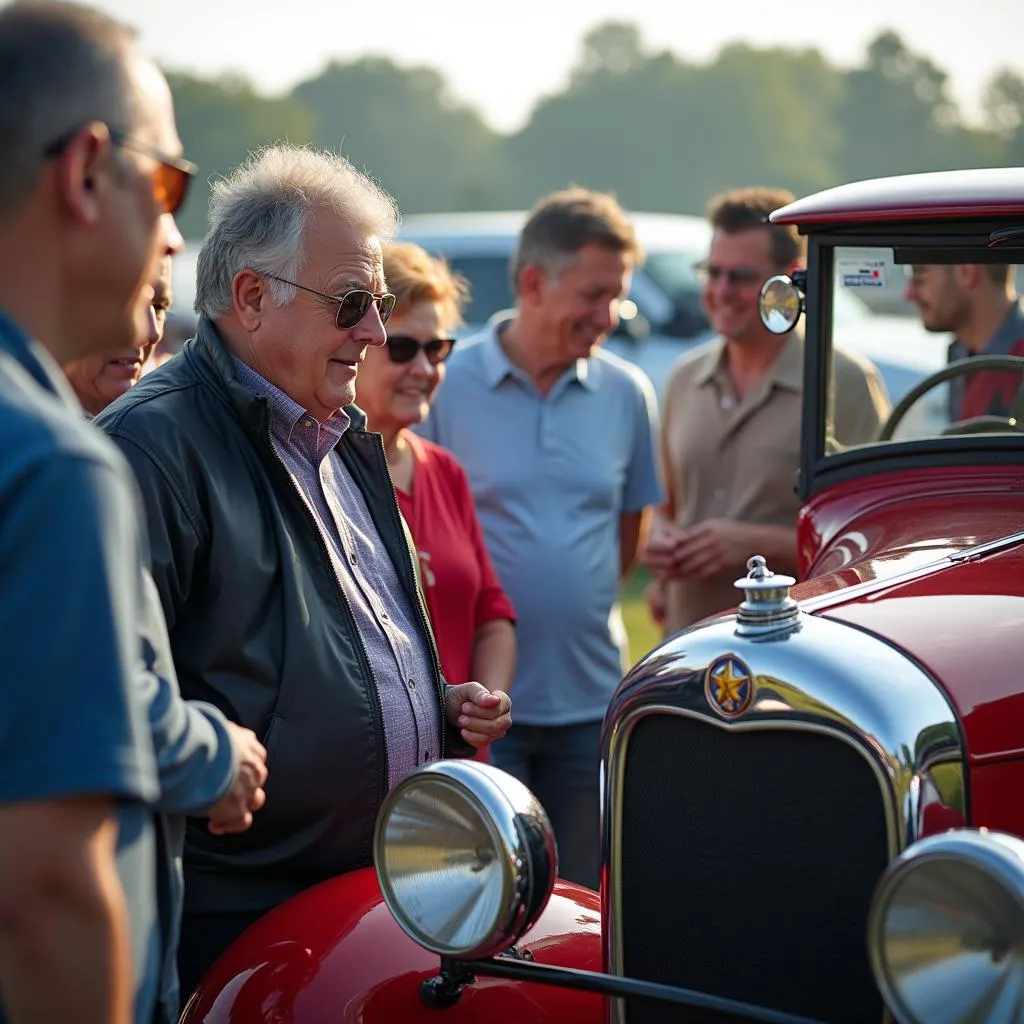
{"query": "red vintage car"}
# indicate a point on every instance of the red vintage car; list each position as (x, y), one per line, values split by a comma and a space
(809, 805)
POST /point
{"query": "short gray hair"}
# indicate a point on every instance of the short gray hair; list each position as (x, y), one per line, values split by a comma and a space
(61, 66)
(258, 217)
(564, 222)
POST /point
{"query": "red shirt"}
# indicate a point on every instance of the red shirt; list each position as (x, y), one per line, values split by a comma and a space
(459, 581)
(991, 392)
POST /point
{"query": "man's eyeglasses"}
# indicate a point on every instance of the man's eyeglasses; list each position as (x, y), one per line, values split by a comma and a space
(736, 276)
(170, 178)
(403, 349)
(353, 305)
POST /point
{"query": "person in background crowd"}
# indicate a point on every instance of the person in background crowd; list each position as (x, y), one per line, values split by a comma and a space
(558, 441)
(89, 736)
(285, 570)
(979, 305)
(103, 376)
(730, 435)
(472, 617)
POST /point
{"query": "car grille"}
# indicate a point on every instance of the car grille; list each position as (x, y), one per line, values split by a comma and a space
(748, 860)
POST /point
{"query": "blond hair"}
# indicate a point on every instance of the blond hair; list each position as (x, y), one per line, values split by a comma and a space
(414, 276)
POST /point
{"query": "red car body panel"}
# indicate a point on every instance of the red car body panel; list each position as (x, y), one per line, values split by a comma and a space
(889, 538)
(335, 955)
(879, 527)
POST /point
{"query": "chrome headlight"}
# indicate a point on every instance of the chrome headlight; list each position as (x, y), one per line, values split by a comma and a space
(946, 930)
(465, 857)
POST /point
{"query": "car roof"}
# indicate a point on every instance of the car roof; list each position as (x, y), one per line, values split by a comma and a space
(493, 230)
(987, 192)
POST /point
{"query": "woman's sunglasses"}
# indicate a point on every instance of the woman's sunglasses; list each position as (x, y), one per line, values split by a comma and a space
(403, 349)
(353, 305)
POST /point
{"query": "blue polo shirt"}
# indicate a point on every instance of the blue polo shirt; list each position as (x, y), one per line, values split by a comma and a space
(551, 476)
(70, 721)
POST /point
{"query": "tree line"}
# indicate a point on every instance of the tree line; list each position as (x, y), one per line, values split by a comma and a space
(661, 132)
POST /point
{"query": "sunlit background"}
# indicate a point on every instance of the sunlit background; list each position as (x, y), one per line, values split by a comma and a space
(463, 105)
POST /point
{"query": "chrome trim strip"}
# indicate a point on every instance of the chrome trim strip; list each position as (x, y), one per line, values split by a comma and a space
(818, 676)
(812, 604)
(987, 548)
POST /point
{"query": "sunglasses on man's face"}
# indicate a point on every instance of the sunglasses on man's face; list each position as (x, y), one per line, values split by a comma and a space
(170, 179)
(353, 305)
(403, 349)
(738, 277)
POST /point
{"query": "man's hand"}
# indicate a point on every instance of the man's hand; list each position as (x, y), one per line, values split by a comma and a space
(708, 548)
(482, 715)
(659, 550)
(697, 553)
(233, 813)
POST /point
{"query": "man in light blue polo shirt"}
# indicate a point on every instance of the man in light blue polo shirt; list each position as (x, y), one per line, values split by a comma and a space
(558, 439)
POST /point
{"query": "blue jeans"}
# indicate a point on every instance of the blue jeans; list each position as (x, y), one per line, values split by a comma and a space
(560, 765)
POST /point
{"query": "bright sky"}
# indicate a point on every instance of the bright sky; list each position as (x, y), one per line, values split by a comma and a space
(502, 56)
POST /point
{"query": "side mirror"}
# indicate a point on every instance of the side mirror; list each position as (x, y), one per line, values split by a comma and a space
(780, 304)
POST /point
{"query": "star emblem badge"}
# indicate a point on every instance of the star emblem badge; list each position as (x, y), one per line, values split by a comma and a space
(729, 686)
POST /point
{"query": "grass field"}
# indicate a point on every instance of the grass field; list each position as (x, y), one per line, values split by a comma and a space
(643, 633)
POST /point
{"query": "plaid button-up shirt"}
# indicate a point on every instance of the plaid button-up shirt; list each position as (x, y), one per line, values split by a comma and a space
(385, 618)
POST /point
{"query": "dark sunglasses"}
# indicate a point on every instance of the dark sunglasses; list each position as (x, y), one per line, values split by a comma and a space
(170, 178)
(736, 276)
(403, 349)
(353, 305)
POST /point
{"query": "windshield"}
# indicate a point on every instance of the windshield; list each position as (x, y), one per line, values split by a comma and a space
(898, 349)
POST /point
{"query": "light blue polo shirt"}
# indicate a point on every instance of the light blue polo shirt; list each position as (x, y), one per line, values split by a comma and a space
(551, 475)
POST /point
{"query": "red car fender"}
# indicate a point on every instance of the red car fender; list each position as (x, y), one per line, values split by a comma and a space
(334, 955)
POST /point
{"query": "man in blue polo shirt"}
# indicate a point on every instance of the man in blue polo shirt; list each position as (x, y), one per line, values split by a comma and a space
(558, 439)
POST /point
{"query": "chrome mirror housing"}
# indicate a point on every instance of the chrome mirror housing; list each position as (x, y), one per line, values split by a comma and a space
(466, 858)
(780, 304)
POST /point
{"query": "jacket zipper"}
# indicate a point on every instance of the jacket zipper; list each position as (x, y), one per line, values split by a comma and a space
(428, 630)
(382, 777)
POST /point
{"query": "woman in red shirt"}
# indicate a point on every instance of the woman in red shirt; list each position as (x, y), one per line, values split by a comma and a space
(472, 616)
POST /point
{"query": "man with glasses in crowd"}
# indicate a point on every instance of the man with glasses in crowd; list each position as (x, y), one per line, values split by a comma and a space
(285, 570)
(93, 737)
(730, 431)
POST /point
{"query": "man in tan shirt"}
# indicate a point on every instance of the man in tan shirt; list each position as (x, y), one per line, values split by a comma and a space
(730, 435)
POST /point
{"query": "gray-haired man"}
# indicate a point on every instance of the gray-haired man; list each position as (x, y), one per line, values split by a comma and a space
(284, 568)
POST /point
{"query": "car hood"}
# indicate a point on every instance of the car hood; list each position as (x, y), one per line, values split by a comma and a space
(962, 622)
(941, 576)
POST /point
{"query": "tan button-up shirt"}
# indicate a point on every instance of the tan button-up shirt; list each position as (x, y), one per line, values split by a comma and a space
(734, 458)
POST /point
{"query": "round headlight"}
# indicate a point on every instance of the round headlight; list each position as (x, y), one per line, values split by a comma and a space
(465, 857)
(946, 930)
(780, 304)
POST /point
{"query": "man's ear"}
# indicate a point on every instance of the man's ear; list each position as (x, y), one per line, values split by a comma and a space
(250, 298)
(967, 275)
(530, 284)
(84, 173)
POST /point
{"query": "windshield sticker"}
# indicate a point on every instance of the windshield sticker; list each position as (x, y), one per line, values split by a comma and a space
(868, 273)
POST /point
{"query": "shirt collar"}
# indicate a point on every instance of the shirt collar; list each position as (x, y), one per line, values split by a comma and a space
(290, 423)
(787, 371)
(497, 365)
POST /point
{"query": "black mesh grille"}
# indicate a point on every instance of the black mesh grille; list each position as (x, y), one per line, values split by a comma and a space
(748, 863)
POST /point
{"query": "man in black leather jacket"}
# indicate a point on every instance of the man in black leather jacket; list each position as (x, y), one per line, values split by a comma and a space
(284, 568)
